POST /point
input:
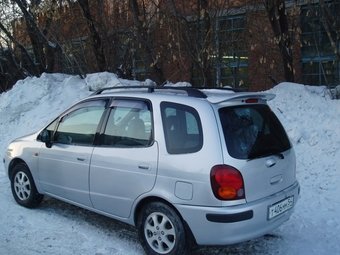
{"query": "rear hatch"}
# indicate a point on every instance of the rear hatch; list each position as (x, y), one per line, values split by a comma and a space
(258, 147)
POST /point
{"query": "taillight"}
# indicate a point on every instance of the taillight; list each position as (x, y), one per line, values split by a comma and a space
(226, 183)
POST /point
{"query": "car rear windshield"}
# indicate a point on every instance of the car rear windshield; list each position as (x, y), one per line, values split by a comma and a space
(252, 131)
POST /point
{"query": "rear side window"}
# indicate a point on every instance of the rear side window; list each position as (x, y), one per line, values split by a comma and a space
(129, 124)
(252, 131)
(182, 128)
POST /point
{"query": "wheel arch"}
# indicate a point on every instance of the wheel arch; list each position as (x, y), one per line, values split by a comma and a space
(190, 237)
(23, 185)
(13, 163)
(16, 161)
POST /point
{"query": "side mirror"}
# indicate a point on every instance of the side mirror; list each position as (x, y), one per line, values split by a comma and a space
(45, 136)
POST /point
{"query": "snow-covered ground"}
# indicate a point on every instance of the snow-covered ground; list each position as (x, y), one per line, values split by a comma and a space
(311, 119)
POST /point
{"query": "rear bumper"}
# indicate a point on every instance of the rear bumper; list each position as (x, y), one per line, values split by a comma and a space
(234, 224)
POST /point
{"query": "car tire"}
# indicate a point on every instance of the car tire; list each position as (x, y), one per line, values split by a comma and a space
(23, 187)
(161, 230)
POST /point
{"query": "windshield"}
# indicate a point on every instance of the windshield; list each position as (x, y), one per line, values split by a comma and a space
(252, 131)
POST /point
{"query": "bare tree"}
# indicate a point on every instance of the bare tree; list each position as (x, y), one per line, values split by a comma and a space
(19, 45)
(41, 39)
(194, 34)
(97, 44)
(203, 32)
(143, 38)
(277, 14)
(331, 23)
(39, 42)
(322, 20)
(10, 68)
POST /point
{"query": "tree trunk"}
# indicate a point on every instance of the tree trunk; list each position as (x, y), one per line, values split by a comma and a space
(276, 11)
(156, 71)
(96, 40)
(38, 39)
(327, 14)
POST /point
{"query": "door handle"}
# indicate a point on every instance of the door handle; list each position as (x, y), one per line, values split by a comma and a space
(144, 166)
(82, 158)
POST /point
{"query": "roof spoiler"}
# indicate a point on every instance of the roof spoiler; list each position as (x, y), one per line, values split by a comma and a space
(244, 97)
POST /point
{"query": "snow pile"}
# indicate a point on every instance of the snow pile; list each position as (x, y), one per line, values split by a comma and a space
(308, 114)
(312, 122)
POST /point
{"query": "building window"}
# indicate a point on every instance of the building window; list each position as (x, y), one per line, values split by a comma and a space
(196, 34)
(320, 65)
(231, 59)
(140, 67)
(72, 59)
(232, 48)
(131, 58)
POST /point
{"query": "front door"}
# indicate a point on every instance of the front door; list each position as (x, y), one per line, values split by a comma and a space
(64, 168)
(64, 171)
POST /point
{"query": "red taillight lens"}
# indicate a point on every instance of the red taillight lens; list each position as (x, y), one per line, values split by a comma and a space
(226, 183)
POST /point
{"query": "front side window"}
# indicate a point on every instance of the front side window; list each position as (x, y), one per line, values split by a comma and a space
(129, 124)
(79, 125)
(252, 132)
(182, 128)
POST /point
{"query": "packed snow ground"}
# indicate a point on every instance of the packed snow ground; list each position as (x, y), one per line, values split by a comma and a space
(310, 117)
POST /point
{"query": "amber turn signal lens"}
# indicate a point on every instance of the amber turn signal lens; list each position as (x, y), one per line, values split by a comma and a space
(227, 192)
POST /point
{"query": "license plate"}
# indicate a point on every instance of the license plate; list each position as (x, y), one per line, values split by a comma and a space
(280, 207)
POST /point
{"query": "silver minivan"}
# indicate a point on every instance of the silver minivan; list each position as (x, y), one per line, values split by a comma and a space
(186, 166)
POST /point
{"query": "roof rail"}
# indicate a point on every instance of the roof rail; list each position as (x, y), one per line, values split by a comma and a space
(191, 91)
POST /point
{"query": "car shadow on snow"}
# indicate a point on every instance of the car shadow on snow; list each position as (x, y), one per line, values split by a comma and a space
(128, 234)
(259, 246)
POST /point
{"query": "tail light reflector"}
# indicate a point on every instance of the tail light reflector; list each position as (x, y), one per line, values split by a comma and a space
(227, 183)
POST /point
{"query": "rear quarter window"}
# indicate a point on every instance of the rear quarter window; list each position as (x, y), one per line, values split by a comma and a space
(252, 131)
(182, 128)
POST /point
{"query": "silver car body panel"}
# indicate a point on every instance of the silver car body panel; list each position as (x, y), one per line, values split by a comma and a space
(64, 171)
(222, 233)
(117, 180)
(25, 149)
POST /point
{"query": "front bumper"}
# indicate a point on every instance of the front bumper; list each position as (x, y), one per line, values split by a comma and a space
(234, 224)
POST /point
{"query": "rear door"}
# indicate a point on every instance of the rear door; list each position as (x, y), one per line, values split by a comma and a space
(124, 164)
(257, 140)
